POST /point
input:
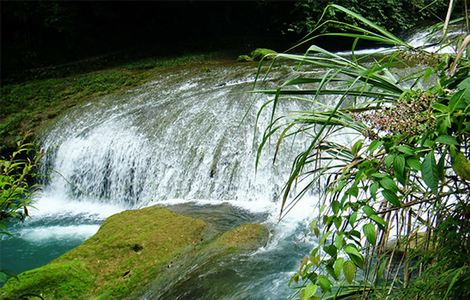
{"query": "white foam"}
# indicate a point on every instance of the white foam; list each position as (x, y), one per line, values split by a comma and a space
(56, 206)
(47, 233)
(380, 50)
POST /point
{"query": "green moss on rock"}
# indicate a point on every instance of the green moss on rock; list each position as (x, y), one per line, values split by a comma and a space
(58, 280)
(132, 251)
(128, 251)
(244, 237)
(260, 53)
(244, 58)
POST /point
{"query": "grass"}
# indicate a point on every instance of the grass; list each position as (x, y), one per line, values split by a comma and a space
(32, 105)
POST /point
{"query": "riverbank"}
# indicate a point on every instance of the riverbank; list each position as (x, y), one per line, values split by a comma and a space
(32, 105)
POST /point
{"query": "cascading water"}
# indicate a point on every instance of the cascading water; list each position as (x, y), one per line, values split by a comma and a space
(189, 136)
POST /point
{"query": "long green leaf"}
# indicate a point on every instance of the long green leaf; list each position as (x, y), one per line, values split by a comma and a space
(429, 172)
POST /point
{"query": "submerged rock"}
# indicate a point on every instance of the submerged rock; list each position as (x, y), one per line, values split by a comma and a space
(133, 252)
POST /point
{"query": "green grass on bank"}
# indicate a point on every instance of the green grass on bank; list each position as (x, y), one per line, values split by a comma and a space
(31, 105)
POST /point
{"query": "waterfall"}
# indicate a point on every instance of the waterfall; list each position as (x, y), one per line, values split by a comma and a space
(188, 135)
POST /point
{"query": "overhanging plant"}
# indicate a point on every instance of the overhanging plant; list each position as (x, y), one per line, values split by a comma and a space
(395, 200)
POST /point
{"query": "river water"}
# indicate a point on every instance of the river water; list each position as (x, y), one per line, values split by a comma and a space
(188, 140)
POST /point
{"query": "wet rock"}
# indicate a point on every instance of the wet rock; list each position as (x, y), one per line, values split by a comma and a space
(133, 252)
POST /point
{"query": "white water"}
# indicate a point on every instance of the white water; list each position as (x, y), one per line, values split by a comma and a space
(187, 137)
(426, 39)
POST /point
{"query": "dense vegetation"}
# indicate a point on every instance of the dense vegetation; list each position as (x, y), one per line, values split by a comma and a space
(395, 15)
(393, 218)
(38, 34)
(17, 183)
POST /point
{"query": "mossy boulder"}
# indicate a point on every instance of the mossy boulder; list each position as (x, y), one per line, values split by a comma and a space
(263, 53)
(132, 251)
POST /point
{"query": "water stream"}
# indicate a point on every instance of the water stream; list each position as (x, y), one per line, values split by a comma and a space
(188, 138)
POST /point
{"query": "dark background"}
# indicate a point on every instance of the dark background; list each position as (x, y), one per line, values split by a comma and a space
(38, 34)
(41, 33)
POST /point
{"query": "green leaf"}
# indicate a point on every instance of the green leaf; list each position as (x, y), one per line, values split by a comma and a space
(389, 184)
(309, 291)
(440, 165)
(331, 250)
(406, 150)
(381, 270)
(355, 233)
(374, 146)
(414, 163)
(337, 221)
(351, 250)
(324, 283)
(339, 241)
(356, 147)
(338, 266)
(447, 139)
(440, 107)
(379, 221)
(443, 123)
(369, 232)
(399, 168)
(353, 191)
(391, 197)
(430, 173)
(456, 100)
(335, 206)
(379, 175)
(349, 270)
(353, 218)
(369, 211)
(389, 160)
(314, 228)
(373, 189)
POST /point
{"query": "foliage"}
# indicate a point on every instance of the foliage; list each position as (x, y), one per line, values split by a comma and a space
(17, 176)
(395, 15)
(394, 204)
